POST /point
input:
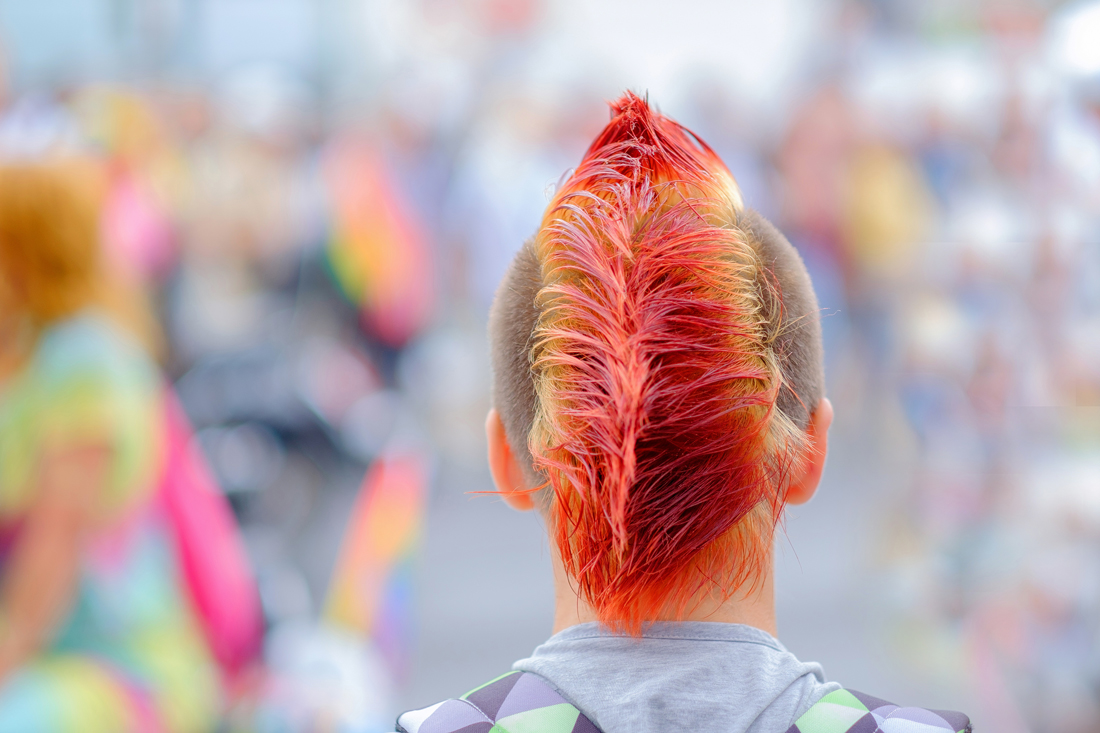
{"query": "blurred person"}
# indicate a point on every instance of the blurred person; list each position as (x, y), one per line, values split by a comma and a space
(812, 160)
(96, 632)
(245, 216)
(145, 175)
(886, 212)
(659, 398)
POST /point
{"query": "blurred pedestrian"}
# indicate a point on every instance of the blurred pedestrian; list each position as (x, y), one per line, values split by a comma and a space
(96, 633)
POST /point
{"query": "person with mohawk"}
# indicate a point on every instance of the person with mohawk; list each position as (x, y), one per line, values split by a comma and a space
(658, 396)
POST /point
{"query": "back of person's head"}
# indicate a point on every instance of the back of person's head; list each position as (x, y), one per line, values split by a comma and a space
(656, 358)
(51, 256)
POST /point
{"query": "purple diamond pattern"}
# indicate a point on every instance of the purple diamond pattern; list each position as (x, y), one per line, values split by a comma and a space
(522, 693)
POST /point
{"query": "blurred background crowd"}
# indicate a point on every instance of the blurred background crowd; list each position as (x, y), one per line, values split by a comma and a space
(317, 198)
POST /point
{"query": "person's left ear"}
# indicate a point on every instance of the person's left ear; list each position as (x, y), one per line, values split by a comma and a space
(804, 485)
(507, 474)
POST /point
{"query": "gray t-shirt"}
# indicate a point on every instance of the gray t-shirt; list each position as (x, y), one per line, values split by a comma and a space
(695, 676)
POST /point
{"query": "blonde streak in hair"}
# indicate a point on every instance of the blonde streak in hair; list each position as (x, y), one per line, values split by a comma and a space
(543, 436)
(782, 441)
(570, 481)
(727, 190)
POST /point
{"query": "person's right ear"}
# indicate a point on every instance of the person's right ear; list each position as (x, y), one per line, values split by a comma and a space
(507, 474)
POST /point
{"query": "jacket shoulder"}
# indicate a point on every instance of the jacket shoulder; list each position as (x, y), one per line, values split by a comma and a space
(514, 702)
(848, 711)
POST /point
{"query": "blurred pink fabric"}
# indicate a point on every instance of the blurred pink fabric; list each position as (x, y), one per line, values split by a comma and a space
(211, 553)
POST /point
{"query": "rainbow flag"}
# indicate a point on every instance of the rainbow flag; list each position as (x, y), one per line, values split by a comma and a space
(371, 590)
(377, 251)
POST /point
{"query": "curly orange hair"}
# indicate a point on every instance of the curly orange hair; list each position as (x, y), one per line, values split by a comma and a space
(50, 249)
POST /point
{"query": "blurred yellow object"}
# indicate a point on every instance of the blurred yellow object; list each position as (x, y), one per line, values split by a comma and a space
(888, 210)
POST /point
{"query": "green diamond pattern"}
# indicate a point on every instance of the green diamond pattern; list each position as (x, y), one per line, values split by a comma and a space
(835, 713)
(552, 719)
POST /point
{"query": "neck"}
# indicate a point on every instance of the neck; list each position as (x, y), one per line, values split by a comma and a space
(754, 607)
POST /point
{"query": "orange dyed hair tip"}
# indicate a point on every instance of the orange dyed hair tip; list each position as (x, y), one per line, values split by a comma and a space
(645, 142)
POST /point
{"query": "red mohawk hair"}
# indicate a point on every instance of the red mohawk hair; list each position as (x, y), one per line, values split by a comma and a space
(656, 379)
